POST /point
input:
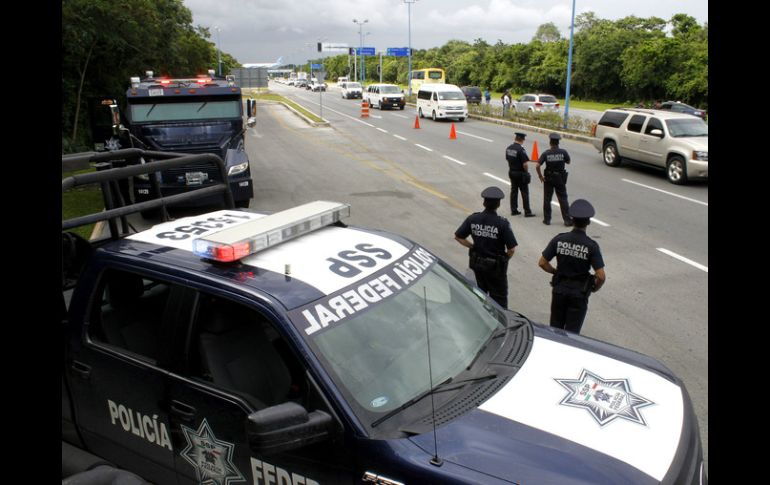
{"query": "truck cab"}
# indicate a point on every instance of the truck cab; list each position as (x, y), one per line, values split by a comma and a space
(204, 114)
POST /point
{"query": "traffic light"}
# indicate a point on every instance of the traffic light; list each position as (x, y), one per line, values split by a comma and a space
(319, 47)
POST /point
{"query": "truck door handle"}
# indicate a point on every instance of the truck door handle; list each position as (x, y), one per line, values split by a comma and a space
(81, 369)
(182, 410)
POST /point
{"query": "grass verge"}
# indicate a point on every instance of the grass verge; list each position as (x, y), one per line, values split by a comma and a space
(81, 201)
(279, 98)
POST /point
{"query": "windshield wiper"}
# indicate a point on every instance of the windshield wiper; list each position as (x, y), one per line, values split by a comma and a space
(153, 107)
(408, 403)
(202, 106)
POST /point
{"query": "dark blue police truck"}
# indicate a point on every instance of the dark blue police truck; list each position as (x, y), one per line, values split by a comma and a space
(291, 349)
(203, 114)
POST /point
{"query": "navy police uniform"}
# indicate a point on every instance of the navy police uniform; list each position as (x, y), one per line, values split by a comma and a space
(517, 156)
(555, 179)
(575, 254)
(492, 235)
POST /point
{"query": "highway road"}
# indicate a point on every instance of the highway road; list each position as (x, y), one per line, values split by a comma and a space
(421, 184)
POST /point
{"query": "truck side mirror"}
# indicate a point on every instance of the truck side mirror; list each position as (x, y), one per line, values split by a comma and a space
(115, 119)
(251, 122)
(285, 427)
(657, 132)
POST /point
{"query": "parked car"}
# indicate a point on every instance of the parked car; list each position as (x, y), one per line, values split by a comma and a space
(472, 94)
(676, 142)
(678, 107)
(536, 103)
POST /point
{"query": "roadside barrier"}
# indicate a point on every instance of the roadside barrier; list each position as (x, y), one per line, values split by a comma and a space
(364, 109)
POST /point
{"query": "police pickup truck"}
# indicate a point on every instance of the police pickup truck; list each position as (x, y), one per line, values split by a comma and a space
(288, 348)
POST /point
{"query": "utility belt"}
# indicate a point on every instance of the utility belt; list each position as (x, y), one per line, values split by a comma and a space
(526, 177)
(576, 285)
(495, 265)
(556, 177)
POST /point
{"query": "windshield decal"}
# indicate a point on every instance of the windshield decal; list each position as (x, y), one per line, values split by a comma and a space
(337, 307)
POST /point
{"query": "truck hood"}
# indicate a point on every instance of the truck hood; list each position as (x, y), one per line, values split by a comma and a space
(700, 143)
(569, 416)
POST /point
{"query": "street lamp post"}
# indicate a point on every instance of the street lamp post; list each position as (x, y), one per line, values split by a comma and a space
(361, 37)
(569, 66)
(219, 54)
(409, 73)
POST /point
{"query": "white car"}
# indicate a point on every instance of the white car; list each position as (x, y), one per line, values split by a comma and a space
(351, 90)
(536, 103)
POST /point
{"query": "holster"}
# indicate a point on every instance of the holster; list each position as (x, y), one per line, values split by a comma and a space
(526, 178)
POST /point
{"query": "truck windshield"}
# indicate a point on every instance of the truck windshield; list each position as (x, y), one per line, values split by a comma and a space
(389, 89)
(188, 110)
(679, 128)
(380, 356)
(451, 95)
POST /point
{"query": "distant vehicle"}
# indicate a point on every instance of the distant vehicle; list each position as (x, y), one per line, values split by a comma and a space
(351, 90)
(385, 95)
(536, 103)
(441, 101)
(342, 79)
(301, 83)
(278, 62)
(316, 86)
(429, 75)
(676, 142)
(677, 107)
(472, 94)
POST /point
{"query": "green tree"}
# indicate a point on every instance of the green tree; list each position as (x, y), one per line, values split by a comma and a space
(547, 33)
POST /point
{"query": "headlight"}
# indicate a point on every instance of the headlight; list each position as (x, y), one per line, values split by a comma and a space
(699, 155)
(144, 176)
(236, 169)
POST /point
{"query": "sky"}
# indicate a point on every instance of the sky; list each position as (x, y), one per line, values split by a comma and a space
(263, 30)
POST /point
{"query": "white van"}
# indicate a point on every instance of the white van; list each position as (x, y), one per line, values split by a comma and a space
(351, 90)
(441, 101)
(385, 95)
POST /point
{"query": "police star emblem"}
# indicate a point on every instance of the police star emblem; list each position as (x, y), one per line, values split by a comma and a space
(605, 399)
(211, 458)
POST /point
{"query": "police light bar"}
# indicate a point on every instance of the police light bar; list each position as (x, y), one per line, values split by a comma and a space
(237, 242)
(135, 82)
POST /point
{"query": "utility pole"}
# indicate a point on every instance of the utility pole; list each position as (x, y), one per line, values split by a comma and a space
(409, 73)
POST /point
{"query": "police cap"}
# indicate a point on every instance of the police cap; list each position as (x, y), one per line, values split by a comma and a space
(493, 193)
(520, 135)
(554, 137)
(581, 209)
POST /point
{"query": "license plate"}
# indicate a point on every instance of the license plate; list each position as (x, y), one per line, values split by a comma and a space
(196, 178)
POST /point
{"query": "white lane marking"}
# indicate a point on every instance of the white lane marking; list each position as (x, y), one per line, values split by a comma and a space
(384, 131)
(400, 137)
(497, 178)
(475, 136)
(401, 116)
(666, 192)
(593, 219)
(683, 259)
(456, 161)
(424, 148)
(375, 116)
(351, 117)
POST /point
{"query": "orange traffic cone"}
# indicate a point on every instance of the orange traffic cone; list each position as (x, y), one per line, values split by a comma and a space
(535, 155)
(364, 109)
(416, 122)
(452, 134)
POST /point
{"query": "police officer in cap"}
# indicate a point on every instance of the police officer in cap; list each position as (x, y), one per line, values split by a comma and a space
(555, 178)
(517, 171)
(572, 282)
(493, 245)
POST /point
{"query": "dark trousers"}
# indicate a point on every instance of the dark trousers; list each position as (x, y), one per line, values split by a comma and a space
(494, 284)
(517, 184)
(568, 311)
(561, 195)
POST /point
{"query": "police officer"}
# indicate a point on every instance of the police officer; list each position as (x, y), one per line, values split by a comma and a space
(555, 179)
(492, 247)
(517, 171)
(572, 282)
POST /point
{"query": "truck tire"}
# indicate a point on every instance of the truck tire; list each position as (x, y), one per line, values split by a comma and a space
(433, 116)
(610, 154)
(419, 112)
(676, 170)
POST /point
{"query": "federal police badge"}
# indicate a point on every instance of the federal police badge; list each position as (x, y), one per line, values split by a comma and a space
(211, 458)
(604, 399)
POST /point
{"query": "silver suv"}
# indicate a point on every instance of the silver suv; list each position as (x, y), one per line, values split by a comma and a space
(536, 103)
(676, 142)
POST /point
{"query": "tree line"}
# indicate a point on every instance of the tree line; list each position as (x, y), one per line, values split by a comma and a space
(105, 43)
(631, 59)
(625, 60)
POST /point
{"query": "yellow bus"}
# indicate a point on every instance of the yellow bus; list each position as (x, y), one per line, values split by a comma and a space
(429, 75)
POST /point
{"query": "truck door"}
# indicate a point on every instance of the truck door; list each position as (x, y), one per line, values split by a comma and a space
(116, 378)
(651, 147)
(629, 139)
(235, 362)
